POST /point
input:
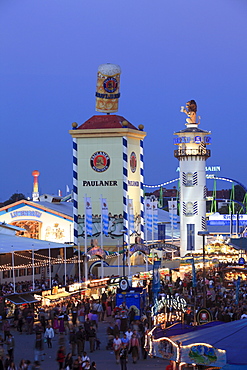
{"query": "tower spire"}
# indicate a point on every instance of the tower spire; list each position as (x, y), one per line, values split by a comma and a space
(35, 194)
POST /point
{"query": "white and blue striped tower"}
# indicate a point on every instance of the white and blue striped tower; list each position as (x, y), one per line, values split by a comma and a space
(192, 154)
(108, 162)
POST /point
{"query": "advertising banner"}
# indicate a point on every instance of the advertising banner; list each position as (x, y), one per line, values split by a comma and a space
(104, 213)
(107, 88)
(148, 214)
(155, 215)
(131, 216)
(203, 354)
(88, 216)
(172, 205)
(165, 348)
(156, 278)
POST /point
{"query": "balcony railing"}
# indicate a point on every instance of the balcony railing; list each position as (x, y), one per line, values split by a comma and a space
(202, 152)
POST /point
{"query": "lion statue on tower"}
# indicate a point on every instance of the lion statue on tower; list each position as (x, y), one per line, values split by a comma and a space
(190, 110)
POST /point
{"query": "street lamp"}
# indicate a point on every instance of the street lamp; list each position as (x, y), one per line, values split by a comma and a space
(203, 234)
(124, 232)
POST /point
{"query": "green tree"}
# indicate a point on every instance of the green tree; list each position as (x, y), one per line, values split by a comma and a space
(14, 198)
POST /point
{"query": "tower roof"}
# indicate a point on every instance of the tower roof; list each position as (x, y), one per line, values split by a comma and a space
(106, 122)
(192, 129)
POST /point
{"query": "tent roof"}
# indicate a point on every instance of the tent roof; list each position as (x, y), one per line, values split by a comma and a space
(229, 336)
(10, 243)
(239, 243)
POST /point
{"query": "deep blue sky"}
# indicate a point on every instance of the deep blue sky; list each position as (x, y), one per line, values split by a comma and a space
(169, 52)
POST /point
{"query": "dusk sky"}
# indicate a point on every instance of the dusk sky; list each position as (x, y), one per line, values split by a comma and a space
(169, 52)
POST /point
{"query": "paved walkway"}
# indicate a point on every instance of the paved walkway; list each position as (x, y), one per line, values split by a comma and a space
(105, 359)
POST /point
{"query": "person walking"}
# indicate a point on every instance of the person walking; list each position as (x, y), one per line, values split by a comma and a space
(68, 361)
(6, 328)
(72, 341)
(91, 337)
(134, 347)
(39, 348)
(60, 357)
(10, 346)
(49, 334)
(117, 346)
(123, 355)
(93, 366)
(12, 366)
(84, 359)
(80, 340)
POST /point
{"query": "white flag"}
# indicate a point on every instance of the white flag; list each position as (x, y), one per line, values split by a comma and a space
(131, 216)
(148, 213)
(172, 205)
(88, 216)
(104, 213)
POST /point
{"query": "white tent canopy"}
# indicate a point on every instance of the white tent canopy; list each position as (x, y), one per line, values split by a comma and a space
(10, 243)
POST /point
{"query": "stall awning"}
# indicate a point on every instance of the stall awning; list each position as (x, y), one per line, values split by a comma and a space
(54, 297)
(29, 298)
(21, 298)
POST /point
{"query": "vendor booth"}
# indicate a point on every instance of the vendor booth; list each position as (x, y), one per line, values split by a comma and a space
(219, 347)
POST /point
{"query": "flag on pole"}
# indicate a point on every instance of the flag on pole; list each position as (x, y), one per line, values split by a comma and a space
(155, 215)
(131, 216)
(193, 273)
(161, 203)
(173, 207)
(105, 218)
(156, 278)
(88, 216)
(148, 214)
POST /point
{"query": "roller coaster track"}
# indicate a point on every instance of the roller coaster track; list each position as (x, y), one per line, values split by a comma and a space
(208, 177)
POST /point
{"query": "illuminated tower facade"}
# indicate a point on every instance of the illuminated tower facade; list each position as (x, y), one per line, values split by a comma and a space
(192, 153)
(108, 162)
(35, 194)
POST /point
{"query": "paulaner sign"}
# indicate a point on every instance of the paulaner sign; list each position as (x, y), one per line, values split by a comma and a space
(99, 183)
(177, 303)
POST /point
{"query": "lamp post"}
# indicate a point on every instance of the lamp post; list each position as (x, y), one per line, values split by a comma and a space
(203, 234)
(123, 231)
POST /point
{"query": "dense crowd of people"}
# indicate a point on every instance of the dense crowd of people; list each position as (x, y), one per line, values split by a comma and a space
(76, 321)
(72, 320)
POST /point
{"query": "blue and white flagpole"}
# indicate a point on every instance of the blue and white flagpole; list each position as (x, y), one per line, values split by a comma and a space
(142, 190)
(128, 209)
(125, 191)
(101, 239)
(85, 240)
(75, 187)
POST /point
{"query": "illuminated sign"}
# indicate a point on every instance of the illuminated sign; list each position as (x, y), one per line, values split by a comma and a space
(25, 214)
(207, 169)
(193, 139)
(203, 316)
(198, 139)
(177, 303)
(99, 183)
